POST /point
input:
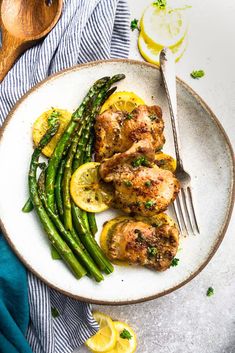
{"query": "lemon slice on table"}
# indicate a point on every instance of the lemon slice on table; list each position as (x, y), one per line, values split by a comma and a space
(151, 54)
(163, 27)
(126, 339)
(41, 125)
(124, 101)
(105, 339)
(87, 189)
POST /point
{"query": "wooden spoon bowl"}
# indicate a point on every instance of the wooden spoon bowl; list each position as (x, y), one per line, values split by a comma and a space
(23, 23)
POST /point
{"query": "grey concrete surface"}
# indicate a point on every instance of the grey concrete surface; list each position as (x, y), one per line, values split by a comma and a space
(187, 321)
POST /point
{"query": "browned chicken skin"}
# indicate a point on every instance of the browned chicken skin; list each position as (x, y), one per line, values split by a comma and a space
(117, 131)
(140, 242)
(125, 146)
(144, 188)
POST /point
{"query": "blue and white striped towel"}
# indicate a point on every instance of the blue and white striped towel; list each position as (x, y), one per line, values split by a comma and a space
(88, 30)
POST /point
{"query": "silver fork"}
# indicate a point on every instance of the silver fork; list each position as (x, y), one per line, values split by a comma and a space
(183, 206)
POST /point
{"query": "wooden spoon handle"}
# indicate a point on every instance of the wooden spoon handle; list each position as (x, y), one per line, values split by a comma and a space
(12, 48)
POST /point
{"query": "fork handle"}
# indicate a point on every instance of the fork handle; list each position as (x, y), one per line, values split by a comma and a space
(167, 66)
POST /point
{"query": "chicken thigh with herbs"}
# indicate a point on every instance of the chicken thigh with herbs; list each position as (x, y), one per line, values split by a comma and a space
(140, 186)
(116, 131)
(144, 241)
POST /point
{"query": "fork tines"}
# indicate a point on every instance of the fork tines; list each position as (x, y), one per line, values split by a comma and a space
(185, 212)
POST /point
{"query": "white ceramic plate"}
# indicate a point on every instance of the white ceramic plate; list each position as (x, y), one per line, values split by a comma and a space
(207, 156)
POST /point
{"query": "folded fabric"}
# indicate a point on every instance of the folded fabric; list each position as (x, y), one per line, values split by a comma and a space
(88, 30)
(14, 308)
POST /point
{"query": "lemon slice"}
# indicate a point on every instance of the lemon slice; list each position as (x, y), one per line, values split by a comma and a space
(105, 339)
(41, 126)
(163, 27)
(124, 101)
(165, 161)
(151, 54)
(87, 189)
(127, 344)
(107, 233)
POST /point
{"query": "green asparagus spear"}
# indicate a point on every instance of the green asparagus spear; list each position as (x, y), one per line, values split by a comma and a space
(61, 145)
(58, 192)
(28, 206)
(80, 217)
(86, 156)
(62, 248)
(78, 250)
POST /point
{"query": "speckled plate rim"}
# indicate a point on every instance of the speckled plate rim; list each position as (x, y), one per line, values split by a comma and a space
(223, 229)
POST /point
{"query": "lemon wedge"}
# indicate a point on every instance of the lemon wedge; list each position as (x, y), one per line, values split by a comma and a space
(105, 339)
(124, 101)
(41, 126)
(87, 189)
(151, 54)
(163, 27)
(126, 341)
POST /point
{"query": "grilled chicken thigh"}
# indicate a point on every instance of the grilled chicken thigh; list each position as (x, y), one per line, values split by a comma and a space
(116, 131)
(140, 187)
(140, 242)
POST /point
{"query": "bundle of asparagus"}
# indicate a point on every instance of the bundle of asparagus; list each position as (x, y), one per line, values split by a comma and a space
(70, 229)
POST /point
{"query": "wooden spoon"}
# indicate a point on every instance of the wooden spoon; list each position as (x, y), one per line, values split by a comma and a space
(23, 23)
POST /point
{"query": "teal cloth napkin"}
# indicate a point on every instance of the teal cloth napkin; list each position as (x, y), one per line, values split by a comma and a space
(14, 307)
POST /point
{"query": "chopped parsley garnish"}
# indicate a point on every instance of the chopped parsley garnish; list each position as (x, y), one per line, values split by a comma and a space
(210, 291)
(152, 117)
(157, 224)
(149, 204)
(127, 183)
(134, 24)
(148, 183)
(152, 251)
(54, 312)
(161, 4)
(53, 118)
(139, 235)
(129, 116)
(174, 262)
(139, 162)
(197, 74)
(125, 334)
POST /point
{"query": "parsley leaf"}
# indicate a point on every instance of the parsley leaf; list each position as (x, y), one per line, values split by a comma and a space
(152, 251)
(161, 4)
(127, 183)
(54, 312)
(196, 74)
(148, 183)
(125, 334)
(174, 262)
(128, 116)
(210, 291)
(134, 24)
(149, 204)
(139, 161)
(53, 118)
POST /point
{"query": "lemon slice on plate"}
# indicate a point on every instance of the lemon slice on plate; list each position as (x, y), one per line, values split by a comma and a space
(105, 339)
(163, 27)
(151, 54)
(126, 339)
(165, 161)
(124, 101)
(87, 189)
(107, 233)
(41, 126)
